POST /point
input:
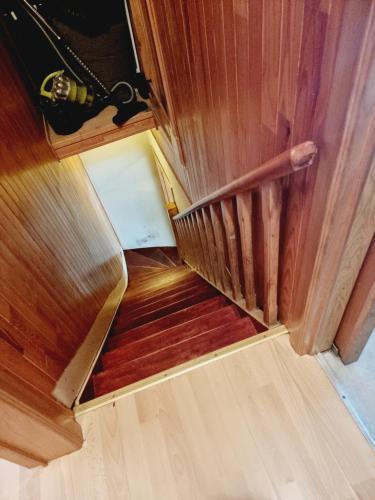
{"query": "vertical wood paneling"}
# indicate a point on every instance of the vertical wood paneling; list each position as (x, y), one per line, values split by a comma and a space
(271, 37)
(264, 76)
(347, 226)
(59, 261)
(59, 257)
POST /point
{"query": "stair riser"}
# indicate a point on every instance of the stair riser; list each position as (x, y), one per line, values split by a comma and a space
(181, 304)
(175, 276)
(162, 292)
(177, 318)
(159, 255)
(162, 340)
(133, 258)
(121, 376)
(131, 311)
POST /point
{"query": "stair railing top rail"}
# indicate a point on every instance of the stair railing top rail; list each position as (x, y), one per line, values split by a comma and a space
(288, 162)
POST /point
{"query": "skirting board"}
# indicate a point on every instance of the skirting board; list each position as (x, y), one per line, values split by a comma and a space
(73, 380)
(179, 370)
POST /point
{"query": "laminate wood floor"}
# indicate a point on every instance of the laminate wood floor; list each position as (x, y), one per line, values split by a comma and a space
(259, 424)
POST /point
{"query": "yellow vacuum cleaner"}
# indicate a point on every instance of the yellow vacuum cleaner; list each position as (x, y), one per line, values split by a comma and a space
(64, 88)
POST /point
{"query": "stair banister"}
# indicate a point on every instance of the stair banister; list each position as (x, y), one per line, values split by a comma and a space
(288, 162)
(215, 234)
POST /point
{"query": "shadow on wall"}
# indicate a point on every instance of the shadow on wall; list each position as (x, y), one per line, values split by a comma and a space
(125, 177)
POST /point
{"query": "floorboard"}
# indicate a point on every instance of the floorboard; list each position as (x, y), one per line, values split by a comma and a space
(259, 424)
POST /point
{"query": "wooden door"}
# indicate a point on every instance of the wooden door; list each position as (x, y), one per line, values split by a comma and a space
(358, 321)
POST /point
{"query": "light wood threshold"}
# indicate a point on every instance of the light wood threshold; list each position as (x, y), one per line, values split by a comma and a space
(113, 396)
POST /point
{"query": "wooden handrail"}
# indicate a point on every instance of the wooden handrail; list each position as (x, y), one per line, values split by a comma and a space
(288, 162)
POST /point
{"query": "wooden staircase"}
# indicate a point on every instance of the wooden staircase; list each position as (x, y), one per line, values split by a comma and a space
(169, 315)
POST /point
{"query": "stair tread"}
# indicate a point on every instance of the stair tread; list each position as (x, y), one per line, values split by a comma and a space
(159, 255)
(173, 254)
(173, 319)
(133, 258)
(142, 273)
(128, 310)
(163, 311)
(168, 275)
(163, 291)
(143, 367)
(164, 338)
(169, 315)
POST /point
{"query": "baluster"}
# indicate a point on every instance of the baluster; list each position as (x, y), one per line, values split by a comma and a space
(179, 237)
(197, 244)
(190, 243)
(231, 237)
(212, 251)
(204, 255)
(216, 218)
(271, 211)
(182, 239)
(244, 213)
(186, 236)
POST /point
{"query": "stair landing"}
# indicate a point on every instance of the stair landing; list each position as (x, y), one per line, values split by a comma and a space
(169, 315)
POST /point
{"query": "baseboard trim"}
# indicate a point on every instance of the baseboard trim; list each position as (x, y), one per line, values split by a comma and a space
(73, 380)
(109, 398)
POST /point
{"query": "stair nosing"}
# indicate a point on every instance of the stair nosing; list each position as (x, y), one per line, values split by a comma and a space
(162, 332)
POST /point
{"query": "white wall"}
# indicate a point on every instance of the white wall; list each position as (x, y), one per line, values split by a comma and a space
(126, 180)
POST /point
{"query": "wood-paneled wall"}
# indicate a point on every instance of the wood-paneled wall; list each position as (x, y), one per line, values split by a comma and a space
(232, 73)
(249, 79)
(59, 260)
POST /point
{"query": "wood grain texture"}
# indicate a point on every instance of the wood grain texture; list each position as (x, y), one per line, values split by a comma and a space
(259, 78)
(230, 70)
(219, 235)
(167, 322)
(230, 230)
(212, 250)
(59, 261)
(288, 162)
(358, 321)
(348, 224)
(130, 349)
(245, 216)
(271, 211)
(240, 427)
(34, 424)
(164, 326)
(209, 269)
(98, 131)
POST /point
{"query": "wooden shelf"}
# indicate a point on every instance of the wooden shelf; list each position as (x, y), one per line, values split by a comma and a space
(98, 131)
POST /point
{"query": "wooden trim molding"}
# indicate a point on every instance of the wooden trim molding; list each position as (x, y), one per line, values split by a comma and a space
(358, 321)
(98, 131)
(348, 224)
(34, 427)
(179, 370)
(72, 382)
